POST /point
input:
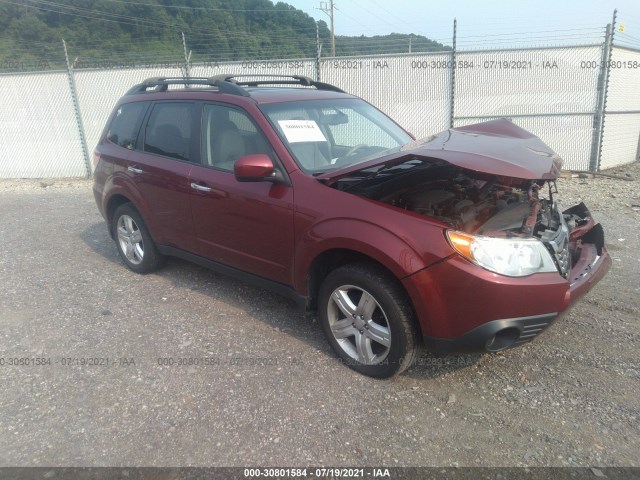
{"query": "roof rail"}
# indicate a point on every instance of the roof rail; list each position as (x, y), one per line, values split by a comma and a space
(274, 80)
(227, 83)
(161, 84)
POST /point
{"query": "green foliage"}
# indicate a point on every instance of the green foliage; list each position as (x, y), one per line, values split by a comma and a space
(386, 44)
(101, 32)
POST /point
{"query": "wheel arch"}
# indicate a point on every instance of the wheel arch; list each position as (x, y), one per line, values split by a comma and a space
(329, 260)
(113, 203)
(120, 193)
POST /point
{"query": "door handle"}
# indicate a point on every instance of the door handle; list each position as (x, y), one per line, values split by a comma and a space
(134, 169)
(200, 188)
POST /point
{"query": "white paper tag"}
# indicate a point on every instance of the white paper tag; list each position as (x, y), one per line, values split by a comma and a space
(301, 131)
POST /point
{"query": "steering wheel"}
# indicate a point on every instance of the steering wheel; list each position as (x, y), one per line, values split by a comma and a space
(354, 149)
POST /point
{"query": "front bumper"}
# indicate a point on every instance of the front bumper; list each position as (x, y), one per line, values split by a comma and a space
(462, 307)
(495, 335)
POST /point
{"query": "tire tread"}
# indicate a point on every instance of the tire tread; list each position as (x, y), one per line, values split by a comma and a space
(390, 286)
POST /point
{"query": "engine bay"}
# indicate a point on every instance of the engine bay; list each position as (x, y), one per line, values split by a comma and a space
(474, 202)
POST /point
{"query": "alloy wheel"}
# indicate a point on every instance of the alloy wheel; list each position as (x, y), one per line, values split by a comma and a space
(130, 239)
(359, 324)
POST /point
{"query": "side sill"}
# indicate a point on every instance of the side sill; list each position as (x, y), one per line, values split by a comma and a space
(250, 278)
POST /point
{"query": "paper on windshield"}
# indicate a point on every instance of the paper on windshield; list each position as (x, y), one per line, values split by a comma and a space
(297, 131)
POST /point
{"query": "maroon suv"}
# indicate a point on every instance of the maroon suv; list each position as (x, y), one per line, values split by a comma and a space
(454, 240)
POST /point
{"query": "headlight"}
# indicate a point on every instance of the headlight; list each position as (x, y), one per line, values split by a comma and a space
(514, 257)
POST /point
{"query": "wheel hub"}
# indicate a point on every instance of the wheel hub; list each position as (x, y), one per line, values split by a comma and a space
(130, 239)
(359, 325)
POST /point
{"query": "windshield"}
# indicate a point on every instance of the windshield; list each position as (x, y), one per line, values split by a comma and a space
(324, 135)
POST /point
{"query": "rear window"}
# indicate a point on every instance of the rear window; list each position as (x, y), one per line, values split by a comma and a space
(125, 125)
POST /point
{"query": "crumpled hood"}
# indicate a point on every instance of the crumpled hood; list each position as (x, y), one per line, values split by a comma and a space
(497, 147)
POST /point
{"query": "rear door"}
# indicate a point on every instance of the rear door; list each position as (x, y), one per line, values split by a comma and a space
(249, 225)
(166, 151)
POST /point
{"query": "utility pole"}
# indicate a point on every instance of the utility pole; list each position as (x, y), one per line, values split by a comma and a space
(328, 7)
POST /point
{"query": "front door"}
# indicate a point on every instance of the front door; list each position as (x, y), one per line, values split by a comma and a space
(246, 225)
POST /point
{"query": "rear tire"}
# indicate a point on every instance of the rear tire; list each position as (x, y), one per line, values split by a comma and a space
(134, 243)
(368, 320)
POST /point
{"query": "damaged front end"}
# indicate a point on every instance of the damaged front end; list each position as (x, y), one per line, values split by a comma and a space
(510, 226)
(501, 224)
(520, 261)
(493, 185)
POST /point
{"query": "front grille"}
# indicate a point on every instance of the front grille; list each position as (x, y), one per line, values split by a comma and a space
(562, 257)
(558, 245)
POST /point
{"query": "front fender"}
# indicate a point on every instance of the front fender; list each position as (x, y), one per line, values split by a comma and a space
(398, 255)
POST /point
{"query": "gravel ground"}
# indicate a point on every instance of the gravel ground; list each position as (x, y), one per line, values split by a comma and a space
(274, 394)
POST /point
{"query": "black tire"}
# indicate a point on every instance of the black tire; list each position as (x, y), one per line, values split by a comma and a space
(364, 337)
(143, 257)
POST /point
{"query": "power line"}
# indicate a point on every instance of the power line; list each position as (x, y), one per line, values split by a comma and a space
(89, 12)
(118, 18)
(184, 7)
(128, 20)
(71, 14)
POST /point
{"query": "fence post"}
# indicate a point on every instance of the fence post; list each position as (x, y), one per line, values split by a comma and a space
(187, 59)
(452, 86)
(76, 109)
(601, 101)
(318, 52)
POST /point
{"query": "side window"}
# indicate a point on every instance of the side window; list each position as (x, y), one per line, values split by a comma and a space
(170, 130)
(228, 135)
(125, 125)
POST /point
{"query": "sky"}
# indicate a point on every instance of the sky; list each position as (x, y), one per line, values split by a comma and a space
(560, 21)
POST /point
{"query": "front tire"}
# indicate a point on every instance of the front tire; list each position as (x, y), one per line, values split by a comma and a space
(368, 320)
(135, 245)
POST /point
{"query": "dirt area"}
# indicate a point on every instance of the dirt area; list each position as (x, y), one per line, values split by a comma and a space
(267, 390)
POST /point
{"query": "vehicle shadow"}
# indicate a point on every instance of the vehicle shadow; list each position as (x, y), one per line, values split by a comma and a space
(280, 313)
(97, 238)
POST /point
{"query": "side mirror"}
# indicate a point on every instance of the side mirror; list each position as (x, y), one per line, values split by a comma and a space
(253, 168)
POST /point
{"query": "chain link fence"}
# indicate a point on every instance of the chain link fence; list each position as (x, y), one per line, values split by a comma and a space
(584, 107)
(621, 135)
(548, 91)
(414, 90)
(39, 134)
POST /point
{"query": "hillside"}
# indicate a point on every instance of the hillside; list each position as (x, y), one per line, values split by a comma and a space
(384, 44)
(142, 31)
